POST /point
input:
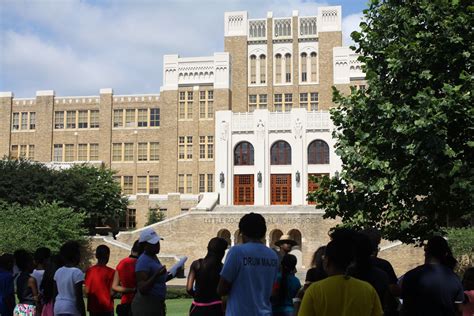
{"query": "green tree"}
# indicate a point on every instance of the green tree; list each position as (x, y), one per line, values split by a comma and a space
(30, 227)
(406, 143)
(154, 216)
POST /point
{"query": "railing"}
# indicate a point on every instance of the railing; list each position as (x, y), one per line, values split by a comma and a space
(318, 120)
(243, 122)
(279, 121)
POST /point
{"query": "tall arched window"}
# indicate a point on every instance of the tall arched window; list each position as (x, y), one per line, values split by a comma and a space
(263, 68)
(318, 152)
(243, 154)
(304, 66)
(253, 69)
(278, 68)
(280, 153)
(314, 67)
(288, 68)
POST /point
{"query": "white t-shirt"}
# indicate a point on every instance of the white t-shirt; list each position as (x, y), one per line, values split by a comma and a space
(66, 278)
(38, 275)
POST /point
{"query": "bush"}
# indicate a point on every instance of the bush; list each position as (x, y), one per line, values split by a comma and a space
(175, 292)
(461, 241)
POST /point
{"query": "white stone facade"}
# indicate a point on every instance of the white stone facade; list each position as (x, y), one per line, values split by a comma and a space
(299, 128)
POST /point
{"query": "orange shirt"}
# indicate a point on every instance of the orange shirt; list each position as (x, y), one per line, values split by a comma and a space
(99, 284)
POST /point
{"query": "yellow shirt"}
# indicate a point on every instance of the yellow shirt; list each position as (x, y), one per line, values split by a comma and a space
(338, 296)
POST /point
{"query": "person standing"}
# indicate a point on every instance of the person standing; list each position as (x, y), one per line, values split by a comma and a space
(433, 288)
(151, 278)
(98, 284)
(47, 286)
(203, 279)
(340, 294)
(7, 291)
(69, 280)
(125, 282)
(41, 257)
(26, 288)
(286, 288)
(285, 243)
(249, 271)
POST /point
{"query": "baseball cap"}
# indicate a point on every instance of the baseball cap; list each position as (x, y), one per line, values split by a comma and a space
(150, 236)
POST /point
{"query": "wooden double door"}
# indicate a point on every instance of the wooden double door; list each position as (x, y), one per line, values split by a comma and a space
(280, 189)
(244, 189)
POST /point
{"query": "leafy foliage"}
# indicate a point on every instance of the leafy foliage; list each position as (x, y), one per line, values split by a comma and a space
(154, 216)
(30, 227)
(461, 241)
(406, 143)
(83, 188)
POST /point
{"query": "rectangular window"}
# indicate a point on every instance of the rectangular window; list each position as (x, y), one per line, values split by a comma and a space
(142, 151)
(23, 151)
(278, 102)
(94, 119)
(252, 102)
(202, 183)
(142, 117)
(189, 107)
(117, 152)
(14, 152)
(189, 183)
(82, 152)
(59, 120)
(303, 100)
(127, 185)
(69, 152)
(210, 182)
(131, 218)
(24, 120)
(262, 101)
(141, 184)
(210, 147)
(71, 119)
(154, 185)
(130, 118)
(118, 118)
(182, 110)
(181, 183)
(31, 152)
(185, 147)
(205, 182)
(154, 155)
(32, 120)
(288, 102)
(82, 119)
(16, 121)
(94, 152)
(189, 147)
(58, 152)
(154, 117)
(314, 104)
(128, 152)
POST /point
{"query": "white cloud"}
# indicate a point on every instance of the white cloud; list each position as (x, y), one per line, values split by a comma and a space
(350, 24)
(76, 48)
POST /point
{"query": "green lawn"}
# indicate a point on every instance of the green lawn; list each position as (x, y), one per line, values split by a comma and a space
(174, 307)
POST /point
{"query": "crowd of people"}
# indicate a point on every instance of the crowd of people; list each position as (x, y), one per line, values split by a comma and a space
(346, 278)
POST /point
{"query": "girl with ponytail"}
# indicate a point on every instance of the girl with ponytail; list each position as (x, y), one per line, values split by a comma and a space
(286, 288)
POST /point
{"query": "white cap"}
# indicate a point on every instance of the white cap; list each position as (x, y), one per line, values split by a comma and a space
(149, 236)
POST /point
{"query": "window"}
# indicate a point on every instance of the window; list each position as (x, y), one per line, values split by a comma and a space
(23, 151)
(82, 152)
(142, 151)
(94, 152)
(141, 184)
(117, 152)
(58, 152)
(263, 67)
(303, 100)
(130, 118)
(118, 118)
(304, 74)
(69, 152)
(277, 68)
(16, 121)
(202, 183)
(206, 104)
(94, 119)
(252, 102)
(32, 120)
(314, 104)
(185, 183)
(314, 67)
(181, 183)
(82, 119)
(288, 102)
(142, 117)
(154, 117)
(59, 120)
(154, 154)
(278, 102)
(31, 152)
(205, 182)
(129, 219)
(127, 185)
(71, 119)
(280, 153)
(287, 68)
(244, 154)
(185, 147)
(318, 152)
(24, 120)
(262, 101)
(185, 105)
(309, 101)
(154, 185)
(206, 147)
(14, 152)
(189, 183)
(128, 152)
(253, 69)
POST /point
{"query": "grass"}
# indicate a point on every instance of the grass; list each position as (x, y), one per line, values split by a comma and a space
(174, 307)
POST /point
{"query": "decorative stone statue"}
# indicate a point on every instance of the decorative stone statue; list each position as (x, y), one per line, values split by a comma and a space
(298, 128)
(224, 130)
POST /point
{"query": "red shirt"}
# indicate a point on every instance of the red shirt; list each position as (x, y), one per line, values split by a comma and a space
(99, 283)
(126, 272)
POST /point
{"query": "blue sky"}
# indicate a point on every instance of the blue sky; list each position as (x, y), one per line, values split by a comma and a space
(77, 47)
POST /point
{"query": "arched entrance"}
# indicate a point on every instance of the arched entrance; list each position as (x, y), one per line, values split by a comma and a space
(295, 234)
(274, 236)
